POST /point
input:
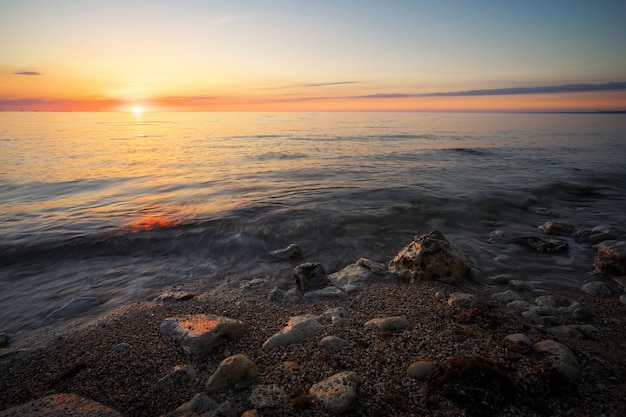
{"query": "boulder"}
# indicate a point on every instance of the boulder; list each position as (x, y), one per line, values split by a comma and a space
(198, 334)
(264, 397)
(310, 276)
(388, 324)
(611, 257)
(337, 392)
(542, 245)
(232, 370)
(563, 360)
(61, 405)
(298, 328)
(430, 257)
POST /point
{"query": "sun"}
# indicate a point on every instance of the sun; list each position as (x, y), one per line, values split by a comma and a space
(137, 110)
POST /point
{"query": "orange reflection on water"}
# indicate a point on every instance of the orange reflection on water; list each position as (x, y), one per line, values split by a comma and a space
(152, 223)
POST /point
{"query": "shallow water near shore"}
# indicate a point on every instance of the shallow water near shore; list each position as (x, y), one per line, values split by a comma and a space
(117, 207)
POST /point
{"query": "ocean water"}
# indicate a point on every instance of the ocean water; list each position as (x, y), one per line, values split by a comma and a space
(119, 207)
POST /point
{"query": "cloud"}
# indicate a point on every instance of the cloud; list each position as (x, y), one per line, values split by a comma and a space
(567, 88)
(27, 73)
(390, 95)
(326, 84)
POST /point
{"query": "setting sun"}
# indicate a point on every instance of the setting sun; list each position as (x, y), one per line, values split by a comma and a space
(137, 110)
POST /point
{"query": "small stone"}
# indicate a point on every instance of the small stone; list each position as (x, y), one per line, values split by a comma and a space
(518, 339)
(420, 369)
(337, 392)
(392, 324)
(506, 296)
(439, 295)
(265, 397)
(292, 251)
(597, 288)
(298, 328)
(333, 343)
(460, 299)
(232, 370)
(310, 276)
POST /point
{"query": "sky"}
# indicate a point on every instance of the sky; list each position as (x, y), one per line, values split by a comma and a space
(322, 55)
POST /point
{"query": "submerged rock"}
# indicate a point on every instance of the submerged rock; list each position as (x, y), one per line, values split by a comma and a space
(298, 328)
(557, 228)
(337, 392)
(542, 245)
(611, 257)
(310, 276)
(597, 288)
(198, 334)
(430, 257)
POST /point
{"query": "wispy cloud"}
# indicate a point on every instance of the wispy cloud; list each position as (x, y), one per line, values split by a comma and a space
(27, 73)
(326, 84)
(307, 85)
(567, 88)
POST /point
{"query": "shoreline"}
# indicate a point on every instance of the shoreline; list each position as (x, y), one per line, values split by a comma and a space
(85, 361)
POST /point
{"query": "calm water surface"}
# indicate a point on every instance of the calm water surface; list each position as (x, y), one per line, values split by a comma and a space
(120, 206)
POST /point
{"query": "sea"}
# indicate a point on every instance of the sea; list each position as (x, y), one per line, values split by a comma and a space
(107, 209)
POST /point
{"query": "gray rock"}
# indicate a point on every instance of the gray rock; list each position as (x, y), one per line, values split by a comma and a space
(518, 339)
(352, 276)
(542, 245)
(198, 405)
(557, 303)
(506, 296)
(61, 405)
(597, 234)
(392, 324)
(337, 392)
(264, 397)
(566, 331)
(282, 296)
(375, 267)
(337, 315)
(73, 307)
(178, 374)
(461, 299)
(430, 257)
(557, 228)
(327, 293)
(254, 285)
(173, 297)
(563, 360)
(235, 369)
(597, 288)
(298, 328)
(292, 251)
(198, 334)
(333, 343)
(518, 305)
(611, 257)
(532, 317)
(501, 279)
(420, 369)
(582, 314)
(310, 276)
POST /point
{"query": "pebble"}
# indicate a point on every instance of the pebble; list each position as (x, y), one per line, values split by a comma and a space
(420, 369)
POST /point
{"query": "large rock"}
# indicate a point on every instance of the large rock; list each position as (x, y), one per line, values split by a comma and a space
(310, 276)
(298, 328)
(232, 370)
(198, 334)
(611, 257)
(337, 392)
(431, 257)
(58, 405)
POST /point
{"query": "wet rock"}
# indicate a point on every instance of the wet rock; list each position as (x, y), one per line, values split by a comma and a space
(282, 296)
(566, 331)
(333, 343)
(73, 307)
(518, 305)
(611, 257)
(557, 303)
(173, 297)
(461, 299)
(597, 234)
(582, 314)
(198, 334)
(61, 405)
(254, 285)
(337, 392)
(542, 245)
(327, 293)
(266, 397)
(375, 267)
(420, 369)
(391, 324)
(298, 328)
(310, 276)
(557, 228)
(198, 405)
(518, 339)
(292, 251)
(235, 369)
(563, 360)
(506, 296)
(352, 277)
(337, 315)
(501, 279)
(532, 317)
(597, 288)
(430, 257)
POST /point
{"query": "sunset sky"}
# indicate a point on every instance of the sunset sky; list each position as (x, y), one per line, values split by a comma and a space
(205, 55)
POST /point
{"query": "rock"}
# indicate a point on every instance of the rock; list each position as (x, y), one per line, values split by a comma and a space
(557, 228)
(597, 234)
(4, 340)
(420, 369)
(327, 293)
(542, 245)
(198, 334)
(251, 413)
(582, 314)
(232, 370)
(61, 405)
(298, 328)
(375, 267)
(563, 360)
(391, 324)
(337, 315)
(566, 331)
(461, 299)
(611, 257)
(518, 284)
(430, 257)
(351, 277)
(173, 297)
(310, 276)
(337, 392)
(333, 343)
(282, 296)
(518, 305)
(265, 397)
(73, 307)
(501, 279)
(506, 296)
(292, 251)
(532, 317)
(557, 303)
(518, 339)
(597, 288)
(179, 374)
(254, 285)
(120, 346)
(198, 405)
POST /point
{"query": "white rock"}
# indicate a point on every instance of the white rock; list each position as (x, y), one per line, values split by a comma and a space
(298, 328)
(337, 392)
